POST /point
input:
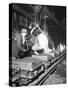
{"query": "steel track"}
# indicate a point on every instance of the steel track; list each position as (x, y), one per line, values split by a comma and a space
(48, 72)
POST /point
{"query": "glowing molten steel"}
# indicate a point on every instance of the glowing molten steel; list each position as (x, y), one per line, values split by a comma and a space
(42, 43)
(41, 40)
(62, 47)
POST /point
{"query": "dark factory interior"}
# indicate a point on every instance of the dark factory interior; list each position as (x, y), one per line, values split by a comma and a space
(45, 24)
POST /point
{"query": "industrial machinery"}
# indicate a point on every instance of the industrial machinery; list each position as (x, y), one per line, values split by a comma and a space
(31, 70)
(28, 69)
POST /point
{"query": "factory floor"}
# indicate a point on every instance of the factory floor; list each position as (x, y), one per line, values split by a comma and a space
(58, 76)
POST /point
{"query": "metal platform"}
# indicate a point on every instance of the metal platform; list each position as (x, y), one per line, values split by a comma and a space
(39, 79)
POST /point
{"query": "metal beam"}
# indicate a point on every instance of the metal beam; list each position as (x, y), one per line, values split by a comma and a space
(22, 11)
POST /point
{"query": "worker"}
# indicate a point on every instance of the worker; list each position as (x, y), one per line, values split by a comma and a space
(24, 50)
(21, 40)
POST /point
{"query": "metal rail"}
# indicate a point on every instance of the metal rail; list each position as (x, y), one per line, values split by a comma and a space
(47, 72)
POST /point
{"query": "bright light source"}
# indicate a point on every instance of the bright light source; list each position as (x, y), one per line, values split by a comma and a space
(61, 47)
(43, 42)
